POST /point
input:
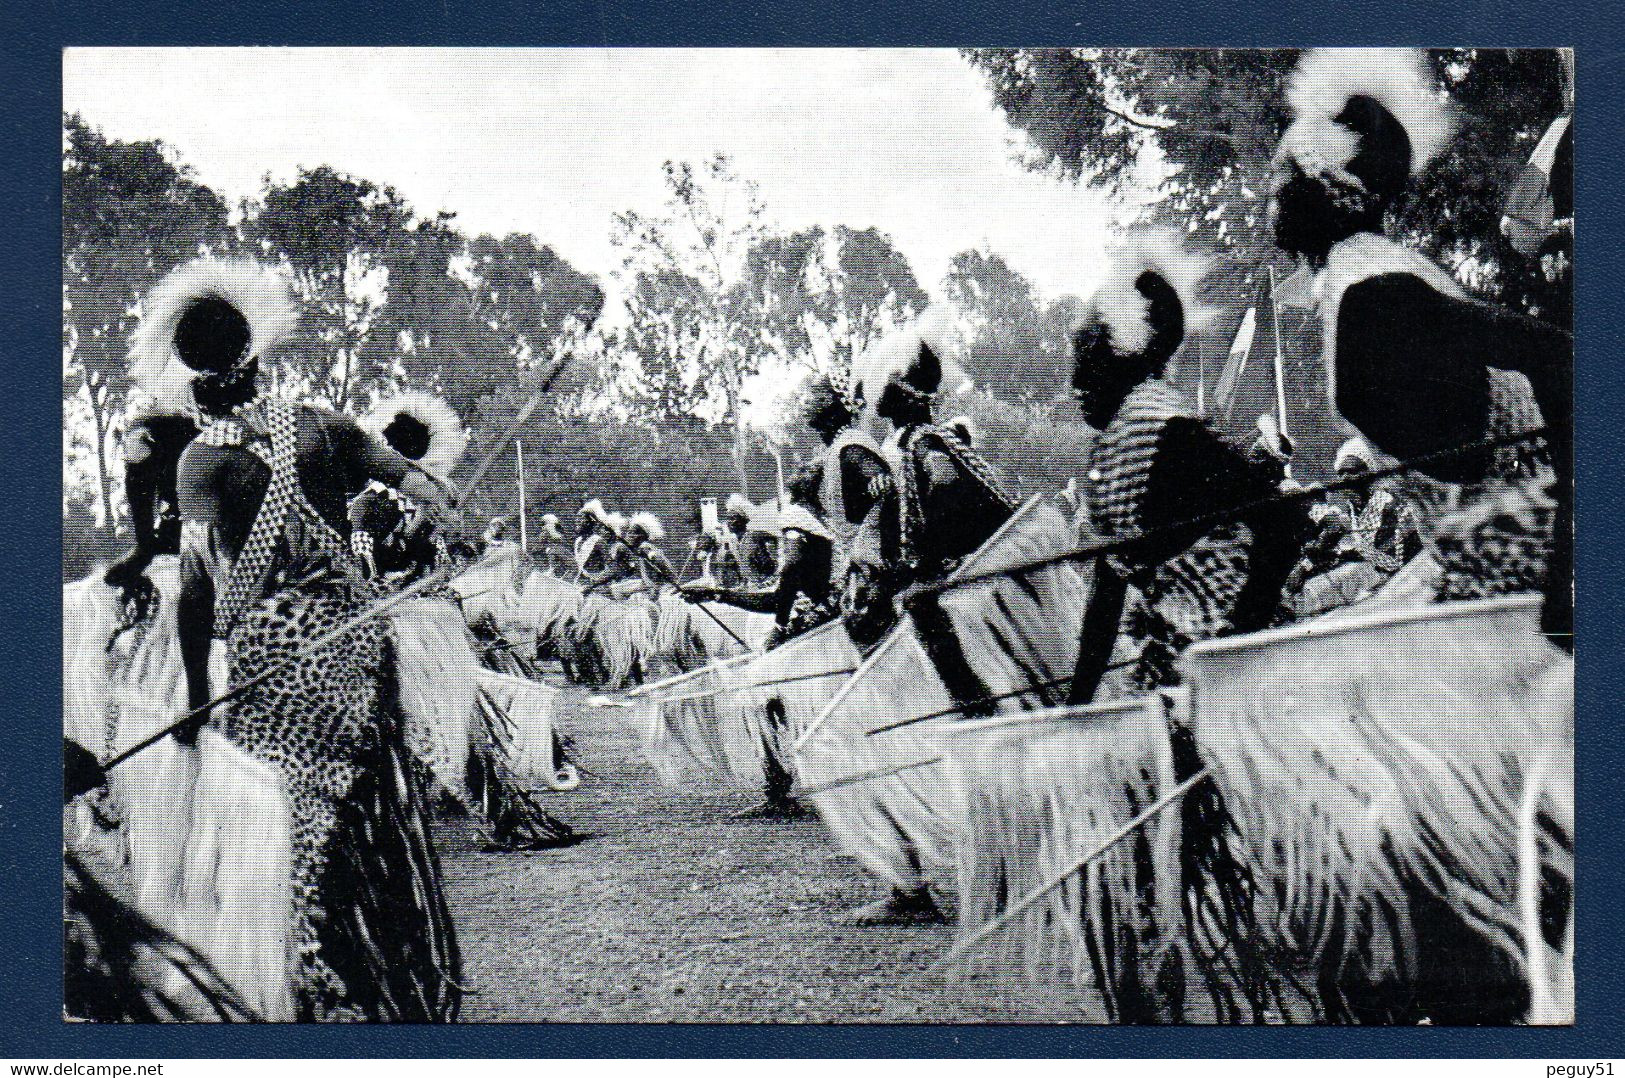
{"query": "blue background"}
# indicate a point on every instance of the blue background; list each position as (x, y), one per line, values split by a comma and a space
(31, 39)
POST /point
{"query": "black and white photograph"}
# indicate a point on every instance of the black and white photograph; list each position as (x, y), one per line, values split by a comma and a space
(818, 535)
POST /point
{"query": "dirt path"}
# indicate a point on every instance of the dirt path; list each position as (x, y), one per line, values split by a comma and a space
(674, 913)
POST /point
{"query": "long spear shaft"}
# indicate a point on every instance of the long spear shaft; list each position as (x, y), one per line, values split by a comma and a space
(1032, 897)
(861, 776)
(815, 675)
(1232, 513)
(1280, 361)
(667, 578)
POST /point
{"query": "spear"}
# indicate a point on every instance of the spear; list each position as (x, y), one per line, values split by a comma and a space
(1032, 897)
(666, 578)
(861, 776)
(790, 679)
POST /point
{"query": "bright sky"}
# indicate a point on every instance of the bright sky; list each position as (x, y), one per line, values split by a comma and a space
(553, 141)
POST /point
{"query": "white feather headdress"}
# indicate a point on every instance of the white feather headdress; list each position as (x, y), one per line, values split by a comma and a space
(1397, 79)
(1356, 448)
(965, 426)
(897, 351)
(593, 508)
(262, 293)
(738, 503)
(1123, 309)
(650, 524)
(447, 438)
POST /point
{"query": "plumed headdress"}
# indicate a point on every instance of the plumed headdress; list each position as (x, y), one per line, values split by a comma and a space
(649, 523)
(1355, 449)
(963, 426)
(1147, 300)
(615, 522)
(211, 316)
(915, 358)
(420, 427)
(738, 503)
(1372, 115)
(550, 526)
(593, 508)
(826, 394)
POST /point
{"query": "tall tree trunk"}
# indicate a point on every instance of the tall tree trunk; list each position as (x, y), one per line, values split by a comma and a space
(98, 413)
(735, 416)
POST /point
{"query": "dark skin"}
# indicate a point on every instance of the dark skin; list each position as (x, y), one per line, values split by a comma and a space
(152, 452)
(1399, 339)
(223, 486)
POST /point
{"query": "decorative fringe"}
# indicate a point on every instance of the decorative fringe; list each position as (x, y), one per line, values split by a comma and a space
(902, 827)
(1012, 637)
(119, 687)
(1378, 764)
(1021, 630)
(1043, 789)
(621, 632)
(688, 639)
(694, 733)
(397, 920)
(521, 724)
(120, 965)
(437, 676)
(205, 827)
(490, 588)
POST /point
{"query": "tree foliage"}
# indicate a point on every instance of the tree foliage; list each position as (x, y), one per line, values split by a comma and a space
(130, 213)
(390, 298)
(1016, 345)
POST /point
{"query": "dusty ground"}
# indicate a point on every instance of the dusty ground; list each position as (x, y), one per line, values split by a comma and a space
(675, 913)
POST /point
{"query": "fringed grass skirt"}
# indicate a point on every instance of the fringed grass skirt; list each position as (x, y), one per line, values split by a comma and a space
(371, 935)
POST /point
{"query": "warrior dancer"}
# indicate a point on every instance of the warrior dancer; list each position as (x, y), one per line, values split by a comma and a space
(607, 560)
(1382, 523)
(745, 554)
(550, 536)
(854, 475)
(798, 594)
(642, 531)
(265, 568)
(942, 505)
(1413, 362)
(1155, 464)
(589, 539)
(389, 533)
(949, 502)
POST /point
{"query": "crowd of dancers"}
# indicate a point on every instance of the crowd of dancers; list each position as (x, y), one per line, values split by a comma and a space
(874, 641)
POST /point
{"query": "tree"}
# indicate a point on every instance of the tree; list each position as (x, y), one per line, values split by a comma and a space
(130, 213)
(1015, 347)
(336, 233)
(691, 324)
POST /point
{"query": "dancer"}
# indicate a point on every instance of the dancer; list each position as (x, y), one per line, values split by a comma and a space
(389, 533)
(1156, 464)
(1413, 362)
(262, 493)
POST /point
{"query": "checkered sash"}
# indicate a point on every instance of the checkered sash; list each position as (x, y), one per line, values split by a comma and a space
(253, 565)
